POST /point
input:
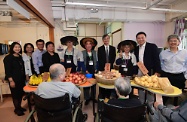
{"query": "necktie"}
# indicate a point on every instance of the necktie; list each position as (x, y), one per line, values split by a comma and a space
(107, 58)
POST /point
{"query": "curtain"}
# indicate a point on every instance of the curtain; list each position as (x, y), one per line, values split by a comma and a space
(179, 27)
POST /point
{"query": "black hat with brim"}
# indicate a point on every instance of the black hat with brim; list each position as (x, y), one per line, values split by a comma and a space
(65, 39)
(126, 42)
(84, 40)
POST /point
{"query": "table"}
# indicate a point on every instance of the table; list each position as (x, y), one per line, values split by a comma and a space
(29, 90)
(90, 83)
(176, 92)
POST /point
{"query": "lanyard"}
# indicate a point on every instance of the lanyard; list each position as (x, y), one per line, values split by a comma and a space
(126, 60)
(68, 54)
(90, 57)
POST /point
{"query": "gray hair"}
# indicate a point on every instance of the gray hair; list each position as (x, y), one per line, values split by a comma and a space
(173, 36)
(123, 86)
(56, 70)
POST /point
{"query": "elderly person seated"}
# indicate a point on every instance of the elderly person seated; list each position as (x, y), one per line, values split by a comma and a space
(123, 89)
(56, 87)
(170, 113)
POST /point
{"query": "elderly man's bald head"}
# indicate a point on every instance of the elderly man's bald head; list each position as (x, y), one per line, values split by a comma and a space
(56, 70)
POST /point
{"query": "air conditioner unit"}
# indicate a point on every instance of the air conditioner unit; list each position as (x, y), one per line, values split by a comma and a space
(69, 26)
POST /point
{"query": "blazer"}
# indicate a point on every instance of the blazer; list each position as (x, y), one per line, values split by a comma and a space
(48, 60)
(102, 56)
(150, 58)
(94, 58)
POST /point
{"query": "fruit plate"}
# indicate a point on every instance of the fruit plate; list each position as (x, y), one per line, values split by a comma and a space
(81, 83)
(33, 86)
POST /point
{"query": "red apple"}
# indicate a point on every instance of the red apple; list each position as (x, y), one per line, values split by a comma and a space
(76, 81)
(70, 75)
(70, 78)
(74, 78)
(82, 77)
(80, 81)
(78, 78)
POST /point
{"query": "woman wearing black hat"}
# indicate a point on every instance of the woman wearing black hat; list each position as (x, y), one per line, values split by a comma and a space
(90, 61)
(126, 60)
(71, 57)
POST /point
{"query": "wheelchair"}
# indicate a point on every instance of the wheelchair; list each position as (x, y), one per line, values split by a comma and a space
(56, 110)
(112, 113)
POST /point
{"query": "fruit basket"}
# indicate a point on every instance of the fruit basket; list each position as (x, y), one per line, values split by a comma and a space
(107, 77)
(76, 78)
(148, 82)
(34, 80)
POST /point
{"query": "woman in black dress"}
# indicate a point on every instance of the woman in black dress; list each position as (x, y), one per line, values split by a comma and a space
(15, 74)
(90, 62)
(49, 57)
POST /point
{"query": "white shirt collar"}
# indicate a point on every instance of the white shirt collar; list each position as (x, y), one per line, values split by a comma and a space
(170, 50)
(106, 46)
(143, 45)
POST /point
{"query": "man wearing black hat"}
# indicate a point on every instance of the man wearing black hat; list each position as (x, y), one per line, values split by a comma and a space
(106, 54)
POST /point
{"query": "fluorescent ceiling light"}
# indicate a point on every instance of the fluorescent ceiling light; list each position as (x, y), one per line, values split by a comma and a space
(169, 10)
(122, 6)
(103, 5)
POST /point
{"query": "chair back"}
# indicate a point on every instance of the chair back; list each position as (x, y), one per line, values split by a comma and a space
(53, 109)
(112, 113)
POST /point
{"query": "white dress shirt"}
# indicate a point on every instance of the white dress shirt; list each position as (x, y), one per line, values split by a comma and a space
(174, 62)
(106, 48)
(141, 52)
(141, 56)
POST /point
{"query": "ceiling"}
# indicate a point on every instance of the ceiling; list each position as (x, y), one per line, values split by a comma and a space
(157, 5)
(13, 16)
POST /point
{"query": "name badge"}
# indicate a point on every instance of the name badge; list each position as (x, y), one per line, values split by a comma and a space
(68, 61)
(91, 63)
(123, 65)
(125, 69)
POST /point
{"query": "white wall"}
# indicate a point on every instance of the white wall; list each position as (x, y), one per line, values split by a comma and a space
(23, 32)
(155, 31)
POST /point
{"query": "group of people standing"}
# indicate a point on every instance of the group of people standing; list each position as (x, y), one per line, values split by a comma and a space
(18, 68)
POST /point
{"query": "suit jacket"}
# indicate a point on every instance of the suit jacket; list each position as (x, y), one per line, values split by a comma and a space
(150, 58)
(102, 56)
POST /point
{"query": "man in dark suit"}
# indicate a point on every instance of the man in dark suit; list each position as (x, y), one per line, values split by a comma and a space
(103, 57)
(106, 54)
(148, 54)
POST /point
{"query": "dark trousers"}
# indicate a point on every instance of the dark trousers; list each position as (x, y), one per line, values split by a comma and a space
(177, 80)
(104, 93)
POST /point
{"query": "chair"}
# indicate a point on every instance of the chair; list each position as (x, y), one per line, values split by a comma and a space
(112, 113)
(54, 109)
